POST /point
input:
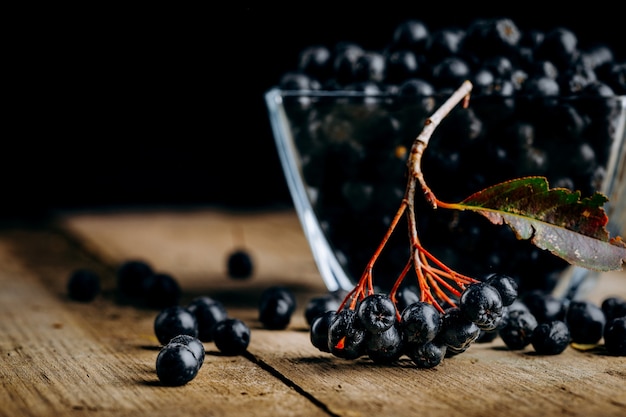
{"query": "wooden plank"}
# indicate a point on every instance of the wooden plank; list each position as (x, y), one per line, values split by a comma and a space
(192, 245)
(60, 357)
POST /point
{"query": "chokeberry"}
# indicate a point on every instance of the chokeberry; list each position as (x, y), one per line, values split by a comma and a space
(426, 355)
(482, 304)
(231, 336)
(586, 322)
(615, 336)
(176, 364)
(517, 326)
(550, 338)
(173, 321)
(420, 322)
(319, 305)
(193, 343)
(385, 347)
(239, 264)
(83, 285)
(276, 307)
(162, 290)
(208, 313)
(613, 307)
(506, 286)
(132, 277)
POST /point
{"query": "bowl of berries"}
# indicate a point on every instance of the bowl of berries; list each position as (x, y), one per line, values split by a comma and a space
(454, 154)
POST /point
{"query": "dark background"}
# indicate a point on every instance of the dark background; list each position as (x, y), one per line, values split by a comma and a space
(141, 105)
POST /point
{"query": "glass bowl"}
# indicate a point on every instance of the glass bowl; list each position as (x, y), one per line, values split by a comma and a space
(344, 156)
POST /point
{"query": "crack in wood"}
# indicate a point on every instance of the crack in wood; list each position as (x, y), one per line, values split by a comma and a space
(289, 382)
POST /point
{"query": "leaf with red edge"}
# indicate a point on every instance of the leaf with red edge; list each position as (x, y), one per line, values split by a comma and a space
(555, 219)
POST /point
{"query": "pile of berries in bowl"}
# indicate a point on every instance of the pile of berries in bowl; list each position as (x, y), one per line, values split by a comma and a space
(345, 118)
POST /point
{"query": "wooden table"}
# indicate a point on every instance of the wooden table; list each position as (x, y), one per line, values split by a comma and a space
(60, 357)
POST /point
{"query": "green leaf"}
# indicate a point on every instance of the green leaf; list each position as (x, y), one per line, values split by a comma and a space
(555, 219)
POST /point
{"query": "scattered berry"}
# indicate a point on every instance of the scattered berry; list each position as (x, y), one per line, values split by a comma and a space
(482, 304)
(276, 307)
(162, 290)
(193, 343)
(615, 336)
(174, 321)
(506, 286)
(319, 330)
(320, 305)
(176, 364)
(231, 336)
(132, 277)
(83, 285)
(239, 264)
(613, 307)
(585, 321)
(550, 338)
(208, 313)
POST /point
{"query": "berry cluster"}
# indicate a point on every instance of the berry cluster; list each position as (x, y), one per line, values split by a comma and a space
(385, 330)
(204, 319)
(543, 103)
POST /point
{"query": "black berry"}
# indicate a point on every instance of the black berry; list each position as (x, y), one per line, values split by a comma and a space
(83, 285)
(231, 336)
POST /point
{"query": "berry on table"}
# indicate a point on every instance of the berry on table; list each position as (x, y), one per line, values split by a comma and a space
(176, 364)
(193, 343)
(173, 321)
(239, 264)
(208, 313)
(83, 285)
(276, 306)
(231, 336)
(132, 277)
(162, 290)
(550, 338)
(615, 336)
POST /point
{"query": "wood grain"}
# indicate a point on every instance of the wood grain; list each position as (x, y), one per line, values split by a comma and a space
(59, 357)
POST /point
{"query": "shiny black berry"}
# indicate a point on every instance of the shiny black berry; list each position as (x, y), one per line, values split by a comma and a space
(517, 326)
(318, 332)
(176, 364)
(231, 336)
(174, 321)
(377, 313)
(482, 304)
(420, 322)
(276, 306)
(613, 307)
(385, 347)
(208, 312)
(319, 305)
